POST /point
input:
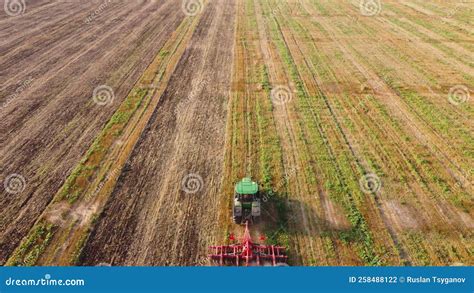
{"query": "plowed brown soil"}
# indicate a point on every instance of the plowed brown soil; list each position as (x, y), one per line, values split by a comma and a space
(48, 127)
(150, 218)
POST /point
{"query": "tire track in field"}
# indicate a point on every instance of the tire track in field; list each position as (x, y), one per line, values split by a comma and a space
(58, 128)
(150, 219)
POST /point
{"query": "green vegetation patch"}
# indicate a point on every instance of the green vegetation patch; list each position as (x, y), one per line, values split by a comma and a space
(82, 175)
(29, 251)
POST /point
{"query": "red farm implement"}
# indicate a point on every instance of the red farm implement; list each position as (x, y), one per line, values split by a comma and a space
(248, 253)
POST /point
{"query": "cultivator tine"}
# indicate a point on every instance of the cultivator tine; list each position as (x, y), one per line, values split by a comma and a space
(273, 255)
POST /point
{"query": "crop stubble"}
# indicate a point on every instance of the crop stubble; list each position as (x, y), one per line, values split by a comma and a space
(369, 95)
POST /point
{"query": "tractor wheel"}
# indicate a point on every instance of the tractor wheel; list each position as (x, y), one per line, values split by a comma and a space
(238, 220)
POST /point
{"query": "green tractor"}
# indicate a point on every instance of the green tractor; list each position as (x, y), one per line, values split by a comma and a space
(246, 202)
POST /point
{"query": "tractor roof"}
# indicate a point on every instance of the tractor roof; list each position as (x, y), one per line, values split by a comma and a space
(246, 186)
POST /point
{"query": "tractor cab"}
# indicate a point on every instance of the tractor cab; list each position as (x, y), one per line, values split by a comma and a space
(246, 202)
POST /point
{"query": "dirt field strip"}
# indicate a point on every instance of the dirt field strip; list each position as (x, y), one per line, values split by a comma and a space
(73, 221)
(175, 147)
(70, 122)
